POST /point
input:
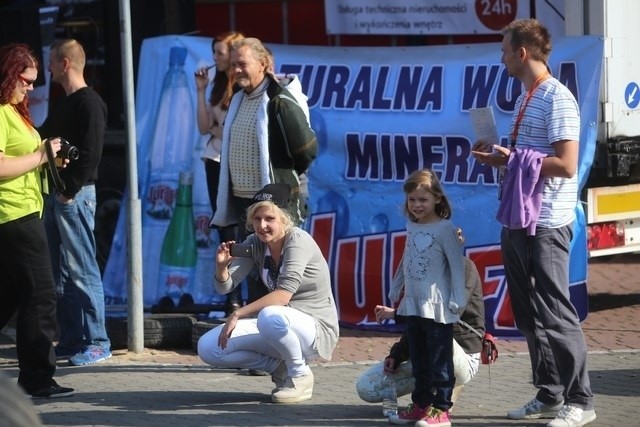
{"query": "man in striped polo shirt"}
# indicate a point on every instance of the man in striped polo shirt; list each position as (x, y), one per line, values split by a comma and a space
(540, 191)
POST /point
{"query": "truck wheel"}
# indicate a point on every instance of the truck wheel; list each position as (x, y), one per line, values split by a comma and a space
(160, 331)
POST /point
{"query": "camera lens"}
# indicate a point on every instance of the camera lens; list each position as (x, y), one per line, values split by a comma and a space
(68, 151)
(73, 153)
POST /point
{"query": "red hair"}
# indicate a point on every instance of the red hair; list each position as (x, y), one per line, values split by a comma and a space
(14, 59)
(222, 90)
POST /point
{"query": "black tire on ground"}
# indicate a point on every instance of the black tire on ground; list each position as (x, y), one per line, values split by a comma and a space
(160, 331)
(200, 328)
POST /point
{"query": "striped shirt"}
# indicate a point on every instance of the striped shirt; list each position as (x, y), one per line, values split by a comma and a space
(552, 115)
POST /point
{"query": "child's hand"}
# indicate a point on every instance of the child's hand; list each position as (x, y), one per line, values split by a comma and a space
(454, 307)
(384, 313)
(389, 366)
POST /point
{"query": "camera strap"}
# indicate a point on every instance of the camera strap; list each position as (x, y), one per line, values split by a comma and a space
(51, 160)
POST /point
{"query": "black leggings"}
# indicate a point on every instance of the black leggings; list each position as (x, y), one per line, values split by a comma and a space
(27, 285)
(212, 170)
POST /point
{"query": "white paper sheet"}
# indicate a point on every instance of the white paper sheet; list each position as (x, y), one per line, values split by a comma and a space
(484, 124)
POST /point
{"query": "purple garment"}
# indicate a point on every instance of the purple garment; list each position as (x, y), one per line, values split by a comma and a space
(522, 190)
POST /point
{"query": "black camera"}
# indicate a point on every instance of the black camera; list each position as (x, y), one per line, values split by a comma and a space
(68, 151)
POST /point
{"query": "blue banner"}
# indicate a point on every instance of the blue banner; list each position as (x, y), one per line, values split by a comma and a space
(378, 117)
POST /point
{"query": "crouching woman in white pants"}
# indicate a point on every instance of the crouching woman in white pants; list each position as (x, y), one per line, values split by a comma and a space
(293, 324)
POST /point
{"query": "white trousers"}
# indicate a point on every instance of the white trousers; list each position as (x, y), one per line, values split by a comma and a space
(278, 334)
(369, 383)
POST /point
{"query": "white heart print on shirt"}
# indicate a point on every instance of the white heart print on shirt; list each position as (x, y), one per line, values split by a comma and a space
(422, 241)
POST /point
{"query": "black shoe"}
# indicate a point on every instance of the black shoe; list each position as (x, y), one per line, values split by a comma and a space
(52, 391)
(257, 373)
(165, 302)
(185, 300)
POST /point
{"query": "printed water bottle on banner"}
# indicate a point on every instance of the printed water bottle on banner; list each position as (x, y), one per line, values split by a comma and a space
(206, 238)
(179, 254)
(170, 154)
(389, 396)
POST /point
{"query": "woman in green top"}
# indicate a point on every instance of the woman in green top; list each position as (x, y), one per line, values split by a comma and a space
(27, 284)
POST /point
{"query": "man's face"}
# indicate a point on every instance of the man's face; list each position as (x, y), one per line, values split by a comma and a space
(246, 68)
(56, 67)
(510, 56)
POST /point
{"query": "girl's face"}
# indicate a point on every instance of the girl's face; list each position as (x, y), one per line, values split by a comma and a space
(422, 205)
(221, 56)
(24, 84)
(267, 225)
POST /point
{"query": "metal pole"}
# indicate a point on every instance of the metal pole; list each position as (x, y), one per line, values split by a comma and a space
(135, 310)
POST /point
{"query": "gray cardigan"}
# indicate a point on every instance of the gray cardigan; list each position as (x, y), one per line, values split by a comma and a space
(304, 273)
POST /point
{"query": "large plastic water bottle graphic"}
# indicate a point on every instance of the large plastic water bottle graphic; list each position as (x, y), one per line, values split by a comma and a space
(179, 254)
(206, 238)
(170, 154)
(379, 223)
(319, 126)
(331, 201)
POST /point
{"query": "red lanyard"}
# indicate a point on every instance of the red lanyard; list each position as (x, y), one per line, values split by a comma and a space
(523, 106)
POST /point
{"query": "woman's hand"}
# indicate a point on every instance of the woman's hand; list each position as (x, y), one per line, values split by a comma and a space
(223, 256)
(223, 259)
(226, 331)
(383, 312)
(56, 145)
(202, 78)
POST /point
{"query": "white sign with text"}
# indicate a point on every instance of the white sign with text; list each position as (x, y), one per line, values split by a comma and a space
(415, 17)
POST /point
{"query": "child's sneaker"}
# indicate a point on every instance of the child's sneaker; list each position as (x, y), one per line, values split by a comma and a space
(435, 418)
(412, 414)
(572, 416)
(90, 355)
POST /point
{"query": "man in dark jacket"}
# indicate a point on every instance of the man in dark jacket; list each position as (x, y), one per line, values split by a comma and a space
(467, 346)
(80, 117)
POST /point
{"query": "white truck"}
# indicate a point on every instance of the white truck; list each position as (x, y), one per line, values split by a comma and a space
(612, 192)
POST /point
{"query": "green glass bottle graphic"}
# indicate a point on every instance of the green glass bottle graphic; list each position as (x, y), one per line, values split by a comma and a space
(179, 255)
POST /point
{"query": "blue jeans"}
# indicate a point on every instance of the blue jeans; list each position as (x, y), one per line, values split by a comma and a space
(431, 353)
(81, 312)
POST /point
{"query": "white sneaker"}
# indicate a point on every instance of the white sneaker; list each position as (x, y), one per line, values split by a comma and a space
(294, 390)
(572, 416)
(535, 409)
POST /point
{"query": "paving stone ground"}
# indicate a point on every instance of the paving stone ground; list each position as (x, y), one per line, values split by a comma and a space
(172, 387)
